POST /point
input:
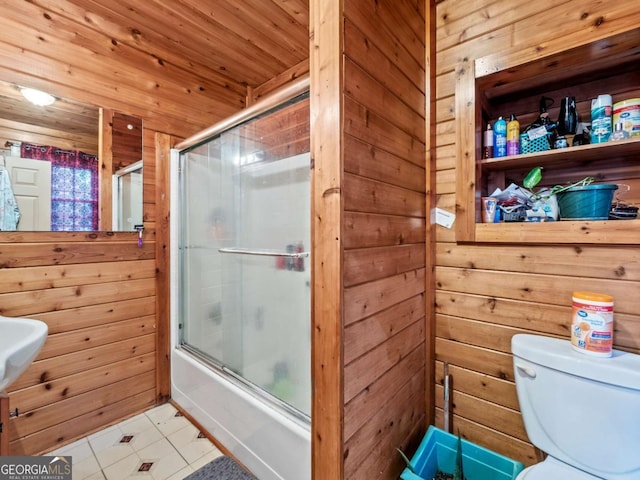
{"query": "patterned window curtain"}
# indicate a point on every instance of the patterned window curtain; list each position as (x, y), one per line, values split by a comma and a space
(74, 186)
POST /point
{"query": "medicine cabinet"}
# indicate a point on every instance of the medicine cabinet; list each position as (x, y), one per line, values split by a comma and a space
(502, 84)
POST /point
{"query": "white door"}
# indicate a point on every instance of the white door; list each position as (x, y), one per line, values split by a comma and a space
(31, 182)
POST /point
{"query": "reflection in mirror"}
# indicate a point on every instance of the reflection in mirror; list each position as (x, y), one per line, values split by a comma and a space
(50, 175)
(127, 197)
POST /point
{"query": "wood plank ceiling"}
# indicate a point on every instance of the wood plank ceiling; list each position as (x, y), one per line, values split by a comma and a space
(227, 45)
(205, 55)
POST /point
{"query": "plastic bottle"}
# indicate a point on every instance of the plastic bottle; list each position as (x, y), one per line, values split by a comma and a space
(601, 109)
(592, 323)
(500, 138)
(488, 142)
(513, 136)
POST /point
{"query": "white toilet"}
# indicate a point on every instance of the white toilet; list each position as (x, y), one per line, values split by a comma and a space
(583, 411)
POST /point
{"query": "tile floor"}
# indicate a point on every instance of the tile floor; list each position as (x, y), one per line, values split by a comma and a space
(159, 444)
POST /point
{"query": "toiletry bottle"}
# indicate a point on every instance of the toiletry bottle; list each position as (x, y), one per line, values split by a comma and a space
(513, 136)
(601, 119)
(500, 138)
(488, 142)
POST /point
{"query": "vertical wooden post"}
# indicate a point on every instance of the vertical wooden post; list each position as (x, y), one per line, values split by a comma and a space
(163, 144)
(430, 240)
(105, 171)
(326, 100)
(4, 422)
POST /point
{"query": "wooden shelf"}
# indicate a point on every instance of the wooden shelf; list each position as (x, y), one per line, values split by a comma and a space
(493, 86)
(566, 156)
(616, 232)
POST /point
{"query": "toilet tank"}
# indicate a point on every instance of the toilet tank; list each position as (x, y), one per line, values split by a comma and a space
(582, 410)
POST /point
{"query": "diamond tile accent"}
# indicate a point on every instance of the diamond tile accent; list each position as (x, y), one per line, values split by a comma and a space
(145, 466)
(159, 444)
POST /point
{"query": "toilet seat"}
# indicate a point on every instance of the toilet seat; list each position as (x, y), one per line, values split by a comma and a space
(552, 469)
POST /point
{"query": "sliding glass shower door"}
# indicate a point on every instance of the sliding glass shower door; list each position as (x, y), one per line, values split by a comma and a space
(245, 298)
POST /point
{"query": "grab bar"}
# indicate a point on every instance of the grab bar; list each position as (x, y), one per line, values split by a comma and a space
(266, 253)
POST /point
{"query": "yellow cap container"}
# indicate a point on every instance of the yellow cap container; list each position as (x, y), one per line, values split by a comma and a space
(627, 113)
(592, 323)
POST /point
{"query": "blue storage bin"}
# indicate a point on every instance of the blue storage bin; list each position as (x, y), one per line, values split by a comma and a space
(437, 451)
(587, 202)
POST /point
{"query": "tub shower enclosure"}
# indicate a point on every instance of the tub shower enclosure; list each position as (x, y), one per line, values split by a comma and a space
(241, 284)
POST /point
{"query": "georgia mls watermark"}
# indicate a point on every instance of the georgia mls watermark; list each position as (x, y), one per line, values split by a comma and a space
(35, 468)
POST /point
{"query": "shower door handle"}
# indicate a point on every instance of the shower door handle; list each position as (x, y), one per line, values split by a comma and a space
(264, 253)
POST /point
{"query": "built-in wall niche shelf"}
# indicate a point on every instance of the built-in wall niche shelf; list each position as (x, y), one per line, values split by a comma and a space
(575, 156)
(514, 82)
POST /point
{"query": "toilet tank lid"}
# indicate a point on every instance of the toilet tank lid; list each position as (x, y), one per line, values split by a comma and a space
(621, 369)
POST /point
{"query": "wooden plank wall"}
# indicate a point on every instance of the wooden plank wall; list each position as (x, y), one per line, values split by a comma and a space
(485, 294)
(373, 344)
(97, 292)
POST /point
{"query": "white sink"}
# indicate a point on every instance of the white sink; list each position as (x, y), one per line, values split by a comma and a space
(20, 341)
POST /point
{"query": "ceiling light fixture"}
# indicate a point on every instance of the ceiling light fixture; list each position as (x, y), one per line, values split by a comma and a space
(37, 97)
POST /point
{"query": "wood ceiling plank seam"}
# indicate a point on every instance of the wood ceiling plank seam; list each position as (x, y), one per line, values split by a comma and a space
(188, 36)
(289, 45)
(45, 68)
(79, 118)
(297, 9)
(55, 44)
(48, 131)
(278, 25)
(116, 26)
(229, 45)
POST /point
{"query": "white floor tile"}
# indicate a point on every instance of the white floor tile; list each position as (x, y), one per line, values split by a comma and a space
(78, 450)
(209, 457)
(144, 439)
(122, 469)
(168, 422)
(163, 457)
(85, 468)
(167, 466)
(102, 432)
(95, 476)
(137, 424)
(162, 412)
(102, 440)
(191, 447)
(169, 442)
(180, 475)
(115, 453)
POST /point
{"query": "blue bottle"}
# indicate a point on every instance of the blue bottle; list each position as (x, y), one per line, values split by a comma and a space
(500, 138)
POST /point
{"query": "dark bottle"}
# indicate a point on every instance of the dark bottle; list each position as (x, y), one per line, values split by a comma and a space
(568, 119)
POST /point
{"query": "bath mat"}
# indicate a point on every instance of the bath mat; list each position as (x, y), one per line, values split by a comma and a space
(222, 468)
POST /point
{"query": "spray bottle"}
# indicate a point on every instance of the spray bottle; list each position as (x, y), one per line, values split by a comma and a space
(500, 138)
(513, 136)
(601, 119)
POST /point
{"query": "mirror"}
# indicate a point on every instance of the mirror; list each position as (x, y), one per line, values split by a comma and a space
(60, 176)
(127, 197)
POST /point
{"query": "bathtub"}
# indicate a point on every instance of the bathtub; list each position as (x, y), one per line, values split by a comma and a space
(270, 441)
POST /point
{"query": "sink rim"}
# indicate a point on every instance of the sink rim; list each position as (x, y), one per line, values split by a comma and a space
(17, 356)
